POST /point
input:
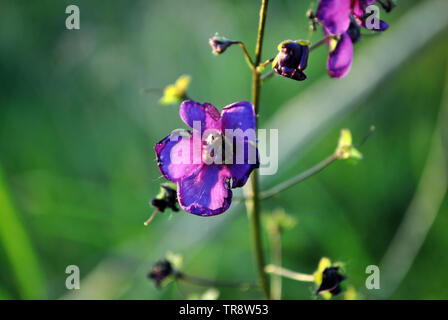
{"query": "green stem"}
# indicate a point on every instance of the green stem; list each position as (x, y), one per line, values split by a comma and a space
(253, 203)
(246, 54)
(276, 257)
(299, 178)
(272, 269)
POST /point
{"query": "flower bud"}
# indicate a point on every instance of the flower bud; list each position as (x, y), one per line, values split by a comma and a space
(331, 278)
(219, 44)
(177, 92)
(354, 31)
(292, 59)
(328, 277)
(167, 198)
(345, 149)
(160, 271)
(388, 5)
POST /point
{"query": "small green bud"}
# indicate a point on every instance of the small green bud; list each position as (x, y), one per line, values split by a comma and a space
(175, 93)
(345, 149)
(279, 220)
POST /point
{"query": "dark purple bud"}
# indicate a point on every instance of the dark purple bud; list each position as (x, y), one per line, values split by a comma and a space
(167, 198)
(387, 5)
(219, 44)
(331, 278)
(160, 271)
(312, 19)
(292, 59)
(354, 31)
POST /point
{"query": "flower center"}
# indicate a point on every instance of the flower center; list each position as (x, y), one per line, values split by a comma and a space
(214, 147)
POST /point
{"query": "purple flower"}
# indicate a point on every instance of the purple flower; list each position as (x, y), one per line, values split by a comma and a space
(292, 59)
(218, 155)
(343, 18)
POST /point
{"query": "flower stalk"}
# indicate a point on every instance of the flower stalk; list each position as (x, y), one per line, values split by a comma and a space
(275, 239)
(246, 54)
(253, 202)
(272, 269)
(299, 178)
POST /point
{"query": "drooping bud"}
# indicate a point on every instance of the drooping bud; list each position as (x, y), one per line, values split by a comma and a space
(331, 278)
(292, 59)
(220, 44)
(167, 198)
(328, 277)
(387, 5)
(161, 271)
(354, 31)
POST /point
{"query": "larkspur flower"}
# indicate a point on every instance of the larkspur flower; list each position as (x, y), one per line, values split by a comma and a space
(292, 59)
(192, 159)
(343, 18)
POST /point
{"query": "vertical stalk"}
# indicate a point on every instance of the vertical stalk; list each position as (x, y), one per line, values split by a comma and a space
(252, 202)
(276, 258)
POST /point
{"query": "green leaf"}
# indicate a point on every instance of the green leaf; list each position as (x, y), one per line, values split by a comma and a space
(18, 248)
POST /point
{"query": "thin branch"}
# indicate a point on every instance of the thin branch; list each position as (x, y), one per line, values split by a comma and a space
(264, 64)
(272, 269)
(267, 75)
(275, 237)
(299, 178)
(317, 44)
(147, 222)
(246, 54)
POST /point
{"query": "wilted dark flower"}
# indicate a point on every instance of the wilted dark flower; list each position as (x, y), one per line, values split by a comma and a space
(387, 5)
(160, 271)
(331, 278)
(219, 44)
(335, 15)
(343, 19)
(328, 277)
(167, 198)
(354, 31)
(292, 59)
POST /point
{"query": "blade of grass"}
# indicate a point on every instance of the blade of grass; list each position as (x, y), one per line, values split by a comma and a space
(18, 248)
(421, 213)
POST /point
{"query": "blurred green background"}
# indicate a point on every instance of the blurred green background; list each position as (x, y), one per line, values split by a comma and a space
(77, 166)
